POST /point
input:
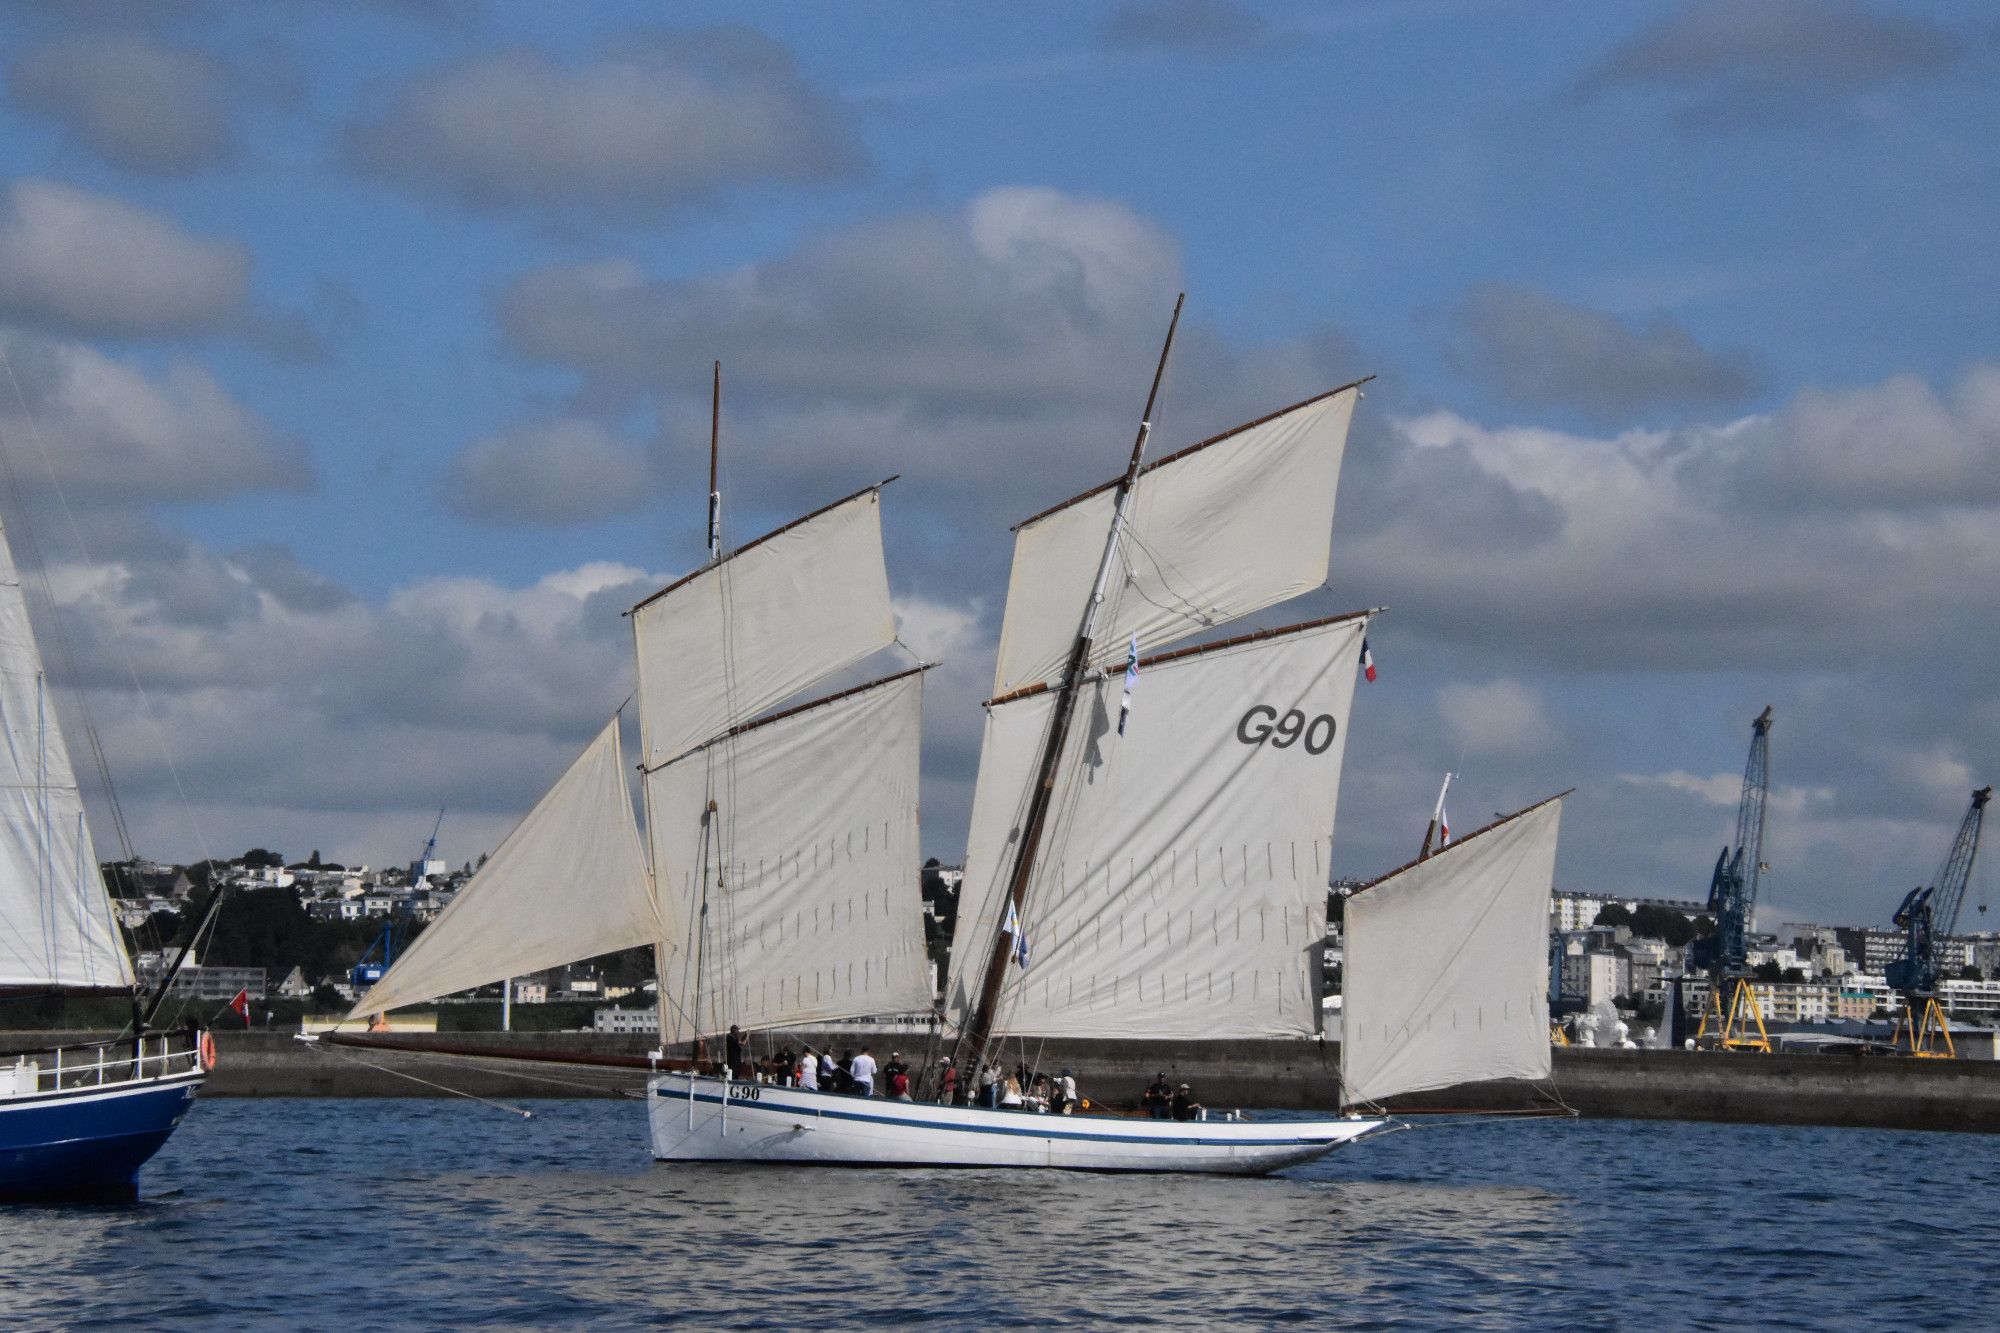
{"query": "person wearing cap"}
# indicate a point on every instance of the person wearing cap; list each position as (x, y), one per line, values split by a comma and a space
(947, 1081)
(1185, 1107)
(1065, 1094)
(1157, 1097)
(893, 1068)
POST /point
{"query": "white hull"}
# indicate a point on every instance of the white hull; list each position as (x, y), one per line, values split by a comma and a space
(701, 1119)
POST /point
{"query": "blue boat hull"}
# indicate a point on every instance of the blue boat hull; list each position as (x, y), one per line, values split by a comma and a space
(87, 1143)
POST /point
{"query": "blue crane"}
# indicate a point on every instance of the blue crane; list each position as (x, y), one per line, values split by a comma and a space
(1732, 900)
(1927, 917)
(370, 968)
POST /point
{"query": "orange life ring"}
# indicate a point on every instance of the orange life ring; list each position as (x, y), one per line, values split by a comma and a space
(207, 1052)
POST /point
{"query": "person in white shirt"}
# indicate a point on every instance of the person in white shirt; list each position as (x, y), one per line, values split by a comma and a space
(862, 1071)
(1068, 1093)
(808, 1071)
(827, 1069)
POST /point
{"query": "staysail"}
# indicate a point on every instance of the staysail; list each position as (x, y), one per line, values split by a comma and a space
(1446, 972)
(761, 625)
(56, 927)
(1180, 888)
(798, 834)
(569, 882)
(1219, 530)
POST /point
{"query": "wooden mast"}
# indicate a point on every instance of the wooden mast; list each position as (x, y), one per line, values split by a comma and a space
(708, 817)
(978, 1032)
(714, 485)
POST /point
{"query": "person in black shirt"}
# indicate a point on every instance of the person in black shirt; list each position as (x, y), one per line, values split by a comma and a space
(1158, 1094)
(1185, 1107)
(893, 1068)
(734, 1053)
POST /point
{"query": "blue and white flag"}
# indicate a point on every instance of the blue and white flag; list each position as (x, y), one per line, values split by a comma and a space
(1131, 680)
(1019, 936)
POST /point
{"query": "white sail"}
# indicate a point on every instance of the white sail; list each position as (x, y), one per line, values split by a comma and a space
(56, 927)
(1446, 971)
(569, 883)
(1180, 888)
(764, 624)
(1215, 532)
(808, 866)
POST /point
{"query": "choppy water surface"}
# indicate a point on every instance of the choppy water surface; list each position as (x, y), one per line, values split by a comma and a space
(351, 1214)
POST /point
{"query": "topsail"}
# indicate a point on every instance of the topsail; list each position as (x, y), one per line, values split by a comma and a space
(56, 928)
(762, 625)
(1214, 532)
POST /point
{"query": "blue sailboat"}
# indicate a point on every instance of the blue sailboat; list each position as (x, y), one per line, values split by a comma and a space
(75, 1121)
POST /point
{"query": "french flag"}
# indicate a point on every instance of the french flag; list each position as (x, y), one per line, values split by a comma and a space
(1367, 659)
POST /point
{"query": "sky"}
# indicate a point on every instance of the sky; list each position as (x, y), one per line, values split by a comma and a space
(356, 369)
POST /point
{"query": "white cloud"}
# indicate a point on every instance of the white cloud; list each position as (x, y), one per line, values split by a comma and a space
(649, 125)
(1498, 717)
(1726, 790)
(84, 263)
(548, 475)
(137, 102)
(114, 433)
(1535, 350)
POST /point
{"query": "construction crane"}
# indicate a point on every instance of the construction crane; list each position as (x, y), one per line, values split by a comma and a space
(1732, 900)
(1927, 917)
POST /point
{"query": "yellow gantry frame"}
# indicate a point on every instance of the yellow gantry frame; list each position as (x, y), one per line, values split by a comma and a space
(1922, 1036)
(1733, 1028)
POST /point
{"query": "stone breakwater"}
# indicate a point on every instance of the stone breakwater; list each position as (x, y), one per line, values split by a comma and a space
(1837, 1090)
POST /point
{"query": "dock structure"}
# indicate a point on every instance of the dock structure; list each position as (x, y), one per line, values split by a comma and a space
(1883, 1092)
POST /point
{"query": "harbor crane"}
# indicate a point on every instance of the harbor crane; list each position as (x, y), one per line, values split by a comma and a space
(1727, 1023)
(1927, 917)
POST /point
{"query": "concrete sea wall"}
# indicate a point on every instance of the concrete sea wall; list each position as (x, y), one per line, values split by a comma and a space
(1882, 1092)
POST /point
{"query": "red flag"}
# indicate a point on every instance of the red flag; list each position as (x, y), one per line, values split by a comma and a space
(241, 1004)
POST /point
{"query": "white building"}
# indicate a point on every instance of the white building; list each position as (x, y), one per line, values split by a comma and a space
(620, 1020)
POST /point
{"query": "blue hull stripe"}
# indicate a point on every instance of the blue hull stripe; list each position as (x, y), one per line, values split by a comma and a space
(1058, 1136)
(86, 1142)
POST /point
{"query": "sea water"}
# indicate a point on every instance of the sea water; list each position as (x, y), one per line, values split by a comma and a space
(355, 1215)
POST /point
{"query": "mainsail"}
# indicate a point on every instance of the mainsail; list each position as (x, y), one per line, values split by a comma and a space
(56, 927)
(1180, 888)
(1446, 972)
(1214, 532)
(798, 836)
(568, 883)
(762, 625)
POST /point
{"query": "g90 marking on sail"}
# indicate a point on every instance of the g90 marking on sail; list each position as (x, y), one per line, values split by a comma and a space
(1262, 723)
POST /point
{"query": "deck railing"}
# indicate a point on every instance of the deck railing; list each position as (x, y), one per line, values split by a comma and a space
(130, 1060)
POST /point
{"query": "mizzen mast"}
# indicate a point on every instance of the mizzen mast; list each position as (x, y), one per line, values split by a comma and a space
(978, 1032)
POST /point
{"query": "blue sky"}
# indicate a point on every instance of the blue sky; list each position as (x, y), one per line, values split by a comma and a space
(373, 343)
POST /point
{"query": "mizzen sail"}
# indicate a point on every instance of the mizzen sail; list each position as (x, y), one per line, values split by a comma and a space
(1214, 532)
(1180, 888)
(1446, 973)
(761, 625)
(569, 883)
(787, 855)
(56, 928)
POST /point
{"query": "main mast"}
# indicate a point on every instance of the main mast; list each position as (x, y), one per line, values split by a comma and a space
(978, 1032)
(709, 815)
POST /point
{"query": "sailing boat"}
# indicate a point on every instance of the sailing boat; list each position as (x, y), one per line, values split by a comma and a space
(75, 1121)
(1161, 877)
